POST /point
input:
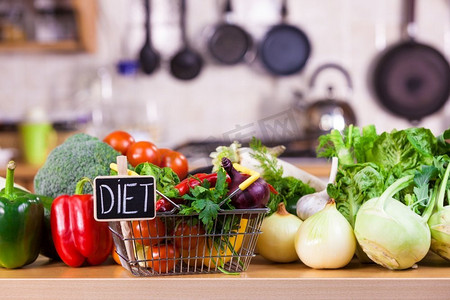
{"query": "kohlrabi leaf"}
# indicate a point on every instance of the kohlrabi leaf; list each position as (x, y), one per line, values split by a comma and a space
(392, 155)
(392, 149)
(422, 188)
(364, 143)
(408, 148)
(444, 142)
(350, 146)
(422, 140)
(354, 185)
(337, 144)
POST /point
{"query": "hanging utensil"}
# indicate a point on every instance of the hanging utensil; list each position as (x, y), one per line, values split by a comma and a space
(285, 49)
(229, 43)
(330, 113)
(187, 63)
(411, 79)
(149, 58)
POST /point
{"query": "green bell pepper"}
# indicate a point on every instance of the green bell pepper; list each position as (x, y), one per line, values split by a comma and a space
(48, 247)
(21, 221)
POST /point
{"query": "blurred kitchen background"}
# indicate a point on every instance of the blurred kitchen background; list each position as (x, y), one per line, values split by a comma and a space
(59, 63)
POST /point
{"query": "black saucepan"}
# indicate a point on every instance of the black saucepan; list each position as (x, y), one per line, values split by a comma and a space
(412, 79)
(285, 49)
(229, 43)
(187, 63)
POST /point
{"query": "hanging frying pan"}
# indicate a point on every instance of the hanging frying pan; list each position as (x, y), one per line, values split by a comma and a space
(229, 43)
(412, 79)
(285, 49)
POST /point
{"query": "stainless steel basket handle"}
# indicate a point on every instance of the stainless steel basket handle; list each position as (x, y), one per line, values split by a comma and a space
(168, 199)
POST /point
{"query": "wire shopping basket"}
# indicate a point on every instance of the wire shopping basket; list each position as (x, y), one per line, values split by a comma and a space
(174, 244)
(179, 245)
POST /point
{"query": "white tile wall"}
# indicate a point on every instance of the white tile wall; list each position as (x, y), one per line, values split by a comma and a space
(221, 99)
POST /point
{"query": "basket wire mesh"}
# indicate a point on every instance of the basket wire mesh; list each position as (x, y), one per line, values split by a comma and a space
(170, 250)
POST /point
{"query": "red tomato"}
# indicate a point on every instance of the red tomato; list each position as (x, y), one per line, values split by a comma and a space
(188, 236)
(174, 160)
(141, 152)
(119, 140)
(161, 153)
(162, 258)
(147, 232)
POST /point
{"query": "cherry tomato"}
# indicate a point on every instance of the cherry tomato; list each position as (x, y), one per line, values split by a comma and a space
(141, 152)
(119, 140)
(147, 232)
(161, 153)
(162, 258)
(174, 160)
(188, 236)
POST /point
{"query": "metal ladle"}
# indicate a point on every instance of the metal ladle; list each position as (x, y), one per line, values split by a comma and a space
(149, 58)
(186, 64)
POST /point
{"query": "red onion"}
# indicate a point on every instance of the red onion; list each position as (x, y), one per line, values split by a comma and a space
(255, 196)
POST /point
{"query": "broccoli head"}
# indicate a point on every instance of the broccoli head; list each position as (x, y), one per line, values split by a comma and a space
(81, 155)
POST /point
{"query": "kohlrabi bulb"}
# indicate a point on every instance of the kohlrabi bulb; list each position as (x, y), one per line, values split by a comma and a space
(390, 233)
(394, 237)
(439, 221)
(440, 232)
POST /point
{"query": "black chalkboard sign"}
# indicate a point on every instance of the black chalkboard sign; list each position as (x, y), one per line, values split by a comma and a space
(119, 198)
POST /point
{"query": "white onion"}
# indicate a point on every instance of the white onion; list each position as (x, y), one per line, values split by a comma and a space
(326, 240)
(276, 242)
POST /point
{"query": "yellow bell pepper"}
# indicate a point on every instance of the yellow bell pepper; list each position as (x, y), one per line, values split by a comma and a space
(208, 253)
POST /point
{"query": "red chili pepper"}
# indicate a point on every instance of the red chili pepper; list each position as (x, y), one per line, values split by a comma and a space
(191, 182)
(184, 186)
(272, 189)
(77, 236)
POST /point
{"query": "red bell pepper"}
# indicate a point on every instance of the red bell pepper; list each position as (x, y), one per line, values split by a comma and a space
(77, 236)
(184, 186)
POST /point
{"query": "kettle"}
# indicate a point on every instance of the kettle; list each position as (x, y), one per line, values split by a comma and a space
(329, 113)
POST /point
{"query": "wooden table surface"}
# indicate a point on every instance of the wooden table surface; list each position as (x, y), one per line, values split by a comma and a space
(262, 280)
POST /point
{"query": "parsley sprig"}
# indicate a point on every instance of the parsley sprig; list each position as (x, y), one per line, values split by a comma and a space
(204, 200)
